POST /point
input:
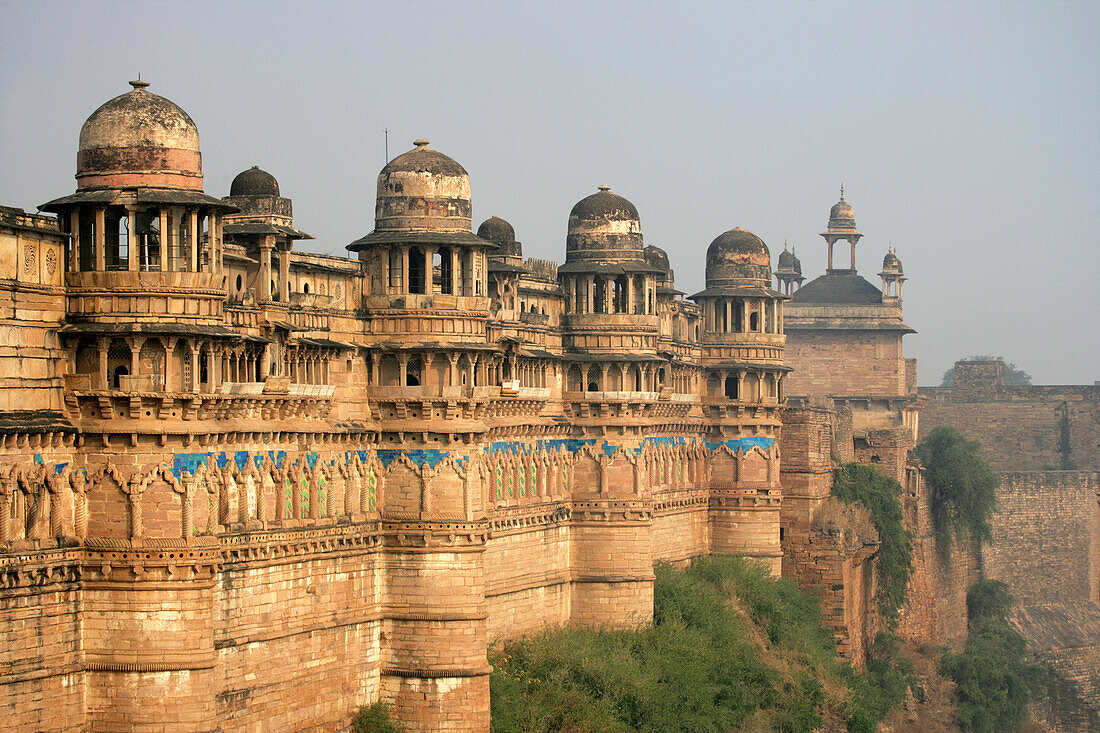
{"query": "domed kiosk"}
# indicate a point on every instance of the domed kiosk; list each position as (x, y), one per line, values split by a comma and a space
(144, 272)
(422, 225)
(742, 338)
(605, 268)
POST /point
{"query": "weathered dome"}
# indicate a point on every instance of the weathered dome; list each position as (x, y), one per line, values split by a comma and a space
(139, 139)
(891, 263)
(657, 257)
(423, 189)
(797, 264)
(499, 232)
(785, 261)
(254, 182)
(842, 216)
(605, 227)
(738, 257)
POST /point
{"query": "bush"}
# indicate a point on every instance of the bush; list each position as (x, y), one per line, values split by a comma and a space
(375, 719)
(991, 689)
(730, 646)
(881, 495)
(988, 599)
(963, 488)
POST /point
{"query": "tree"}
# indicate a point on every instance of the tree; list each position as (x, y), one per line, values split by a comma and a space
(963, 488)
(1013, 374)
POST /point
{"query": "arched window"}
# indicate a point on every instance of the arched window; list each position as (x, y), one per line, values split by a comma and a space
(731, 387)
(120, 371)
(412, 373)
(416, 270)
(754, 321)
(305, 288)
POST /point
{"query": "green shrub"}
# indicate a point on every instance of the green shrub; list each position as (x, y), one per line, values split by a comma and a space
(963, 489)
(988, 599)
(990, 675)
(881, 495)
(730, 647)
(375, 719)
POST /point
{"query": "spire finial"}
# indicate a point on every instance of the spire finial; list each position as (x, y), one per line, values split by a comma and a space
(842, 190)
(784, 244)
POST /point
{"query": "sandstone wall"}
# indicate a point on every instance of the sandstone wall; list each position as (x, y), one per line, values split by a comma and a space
(837, 362)
(1025, 428)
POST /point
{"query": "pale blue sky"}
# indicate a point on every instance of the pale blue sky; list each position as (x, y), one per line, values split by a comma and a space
(968, 134)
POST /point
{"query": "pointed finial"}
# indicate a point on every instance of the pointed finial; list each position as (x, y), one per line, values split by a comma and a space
(784, 244)
(842, 191)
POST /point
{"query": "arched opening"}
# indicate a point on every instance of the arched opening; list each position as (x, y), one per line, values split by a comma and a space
(621, 306)
(117, 239)
(118, 361)
(149, 236)
(754, 321)
(305, 288)
(412, 373)
(614, 380)
(599, 296)
(182, 254)
(117, 374)
(731, 387)
(239, 282)
(444, 260)
(274, 292)
(593, 379)
(639, 383)
(416, 270)
(87, 240)
(660, 378)
(576, 379)
(640, 291)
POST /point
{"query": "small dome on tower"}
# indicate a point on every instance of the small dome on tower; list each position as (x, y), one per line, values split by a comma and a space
(254, 182)
(139, 139)
(738, 257)
(842, 215)
(423, 189)
(657, 257)
(797, 264)
(891, 263)
(499, 232)
(605, 227)
(786, 260)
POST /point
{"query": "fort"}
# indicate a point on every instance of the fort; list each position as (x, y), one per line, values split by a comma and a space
(241, 483)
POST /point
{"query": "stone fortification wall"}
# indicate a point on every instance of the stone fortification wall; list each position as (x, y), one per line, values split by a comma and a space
(1021, 428)
(1046, 547)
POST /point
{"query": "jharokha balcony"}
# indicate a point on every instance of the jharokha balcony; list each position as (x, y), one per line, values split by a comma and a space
(142, 398)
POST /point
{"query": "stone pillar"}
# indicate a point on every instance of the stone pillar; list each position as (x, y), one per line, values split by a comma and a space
(384, 256)
(193, 237)
(404, 270)
(266, 245)
(429, 270)
(195, 373)
(101, 347)
(136, 343)
(74, 241)
(100, 239)
(629, 294)
(170, 378)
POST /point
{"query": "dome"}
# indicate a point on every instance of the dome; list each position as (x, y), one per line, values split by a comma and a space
(738, 257)
(797, 265)
(139, 139)
(604, 227)
(891, 263)
(254, 182)
(500, 233)
(842, 216)
(423, 189)
(657, 257)
(785, 261)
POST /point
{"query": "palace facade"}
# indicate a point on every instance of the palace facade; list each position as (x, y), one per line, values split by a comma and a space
(242, 483)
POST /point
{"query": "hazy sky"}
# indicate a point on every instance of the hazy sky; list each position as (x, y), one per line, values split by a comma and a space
(967, 134)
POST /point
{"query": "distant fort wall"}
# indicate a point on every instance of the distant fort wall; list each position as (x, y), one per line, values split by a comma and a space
(1021, 428)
